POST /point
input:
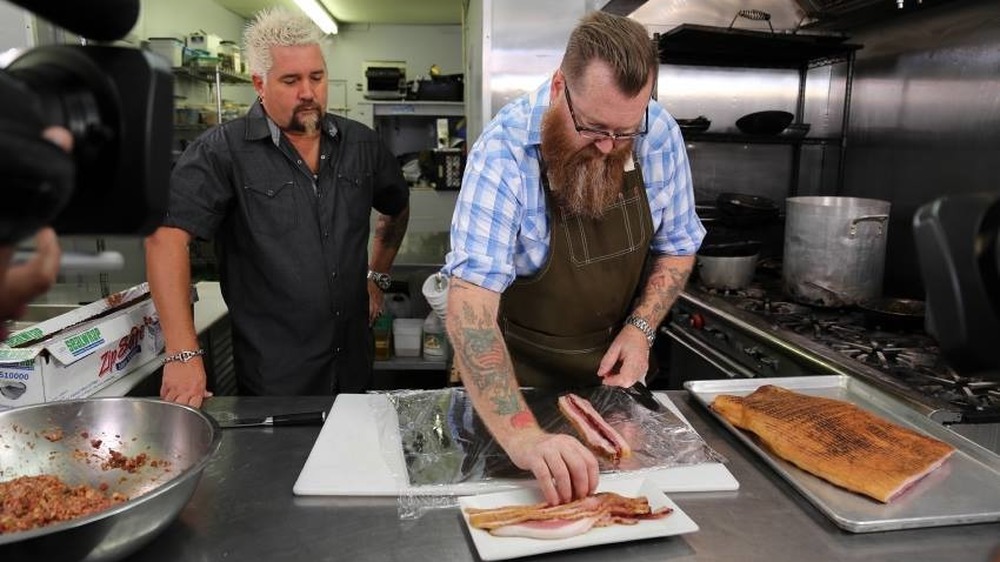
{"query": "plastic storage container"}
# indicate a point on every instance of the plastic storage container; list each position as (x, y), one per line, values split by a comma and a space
(169, 48)
(383, 337)
(406, 335)
(397, 304)
(435, 341)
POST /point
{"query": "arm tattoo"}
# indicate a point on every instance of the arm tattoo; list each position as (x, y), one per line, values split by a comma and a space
(391, 229)
(666, 281)
(487, 362)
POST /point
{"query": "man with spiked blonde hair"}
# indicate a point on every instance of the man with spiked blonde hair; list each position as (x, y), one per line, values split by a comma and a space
(286, 193)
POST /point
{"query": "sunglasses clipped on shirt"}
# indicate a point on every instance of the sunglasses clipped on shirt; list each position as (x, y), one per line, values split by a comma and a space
(598, 134)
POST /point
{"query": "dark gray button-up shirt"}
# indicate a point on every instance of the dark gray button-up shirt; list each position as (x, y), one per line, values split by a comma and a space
(292, 247)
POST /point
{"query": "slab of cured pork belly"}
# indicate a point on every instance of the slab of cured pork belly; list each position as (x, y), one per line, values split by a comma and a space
(542, 521)
(835, 440)
(595, 431)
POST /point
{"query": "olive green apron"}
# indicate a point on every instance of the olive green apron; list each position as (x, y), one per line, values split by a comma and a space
(559, 323)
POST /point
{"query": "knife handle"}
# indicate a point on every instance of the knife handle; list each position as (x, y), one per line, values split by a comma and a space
(305, 418)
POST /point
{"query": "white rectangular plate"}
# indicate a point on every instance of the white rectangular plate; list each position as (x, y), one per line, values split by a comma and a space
(504, 548)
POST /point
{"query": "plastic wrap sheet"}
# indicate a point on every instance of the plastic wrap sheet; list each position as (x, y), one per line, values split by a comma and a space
(445, 443)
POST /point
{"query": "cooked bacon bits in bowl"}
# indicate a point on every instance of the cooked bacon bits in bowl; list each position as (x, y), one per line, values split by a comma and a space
(36, 501)
(96, 478)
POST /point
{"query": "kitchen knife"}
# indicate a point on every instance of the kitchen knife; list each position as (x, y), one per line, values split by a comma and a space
(304, 418)
(644, 396)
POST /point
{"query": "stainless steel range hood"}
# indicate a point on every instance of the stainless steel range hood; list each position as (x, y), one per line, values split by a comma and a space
(785, 14)
(825, 8)
(663, 15)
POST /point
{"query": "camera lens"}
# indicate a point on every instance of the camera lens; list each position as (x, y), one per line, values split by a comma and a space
(71, 91)
(118, 105)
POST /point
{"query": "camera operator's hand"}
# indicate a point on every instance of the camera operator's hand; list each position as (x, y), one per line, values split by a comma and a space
(22, 283)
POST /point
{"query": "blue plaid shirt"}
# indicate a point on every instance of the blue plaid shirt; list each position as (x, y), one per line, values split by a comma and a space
(500, 231)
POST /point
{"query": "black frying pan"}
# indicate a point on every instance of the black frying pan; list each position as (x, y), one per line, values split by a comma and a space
(745, 203)
(741, 209)
(894, 314)
(730, 249)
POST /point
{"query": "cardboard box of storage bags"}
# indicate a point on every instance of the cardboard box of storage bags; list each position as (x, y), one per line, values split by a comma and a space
(75, 354)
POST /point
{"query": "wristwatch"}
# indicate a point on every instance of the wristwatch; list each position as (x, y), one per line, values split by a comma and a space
(643, 326)
(382, 280)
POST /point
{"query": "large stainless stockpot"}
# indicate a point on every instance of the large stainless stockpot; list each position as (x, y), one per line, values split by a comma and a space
(834, 251)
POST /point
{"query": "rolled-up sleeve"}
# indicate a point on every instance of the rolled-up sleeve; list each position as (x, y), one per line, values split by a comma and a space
(677, 228)
(487, 216)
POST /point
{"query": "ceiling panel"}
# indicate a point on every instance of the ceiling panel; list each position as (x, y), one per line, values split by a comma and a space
(412, 12)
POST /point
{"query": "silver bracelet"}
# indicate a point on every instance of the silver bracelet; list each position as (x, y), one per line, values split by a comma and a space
(183, 356)
(644, 327)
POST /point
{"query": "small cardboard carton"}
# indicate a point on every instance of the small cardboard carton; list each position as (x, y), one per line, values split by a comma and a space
(75, 354)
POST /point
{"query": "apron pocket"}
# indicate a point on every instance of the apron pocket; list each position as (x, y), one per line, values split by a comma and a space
(628, 234)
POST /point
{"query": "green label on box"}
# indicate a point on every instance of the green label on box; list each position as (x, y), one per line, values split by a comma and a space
(16, 355)
(82, 343)
(25, 336)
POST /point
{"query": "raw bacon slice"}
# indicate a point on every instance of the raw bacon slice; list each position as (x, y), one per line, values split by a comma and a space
(595, 431)
(836, 440)
(548, 529)
(541, 521)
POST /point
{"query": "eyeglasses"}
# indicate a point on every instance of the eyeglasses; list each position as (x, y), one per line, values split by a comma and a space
(597, 134)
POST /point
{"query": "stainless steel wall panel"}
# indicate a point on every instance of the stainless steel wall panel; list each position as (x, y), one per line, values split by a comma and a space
(925, 118)
(520, 44)
(724, 94)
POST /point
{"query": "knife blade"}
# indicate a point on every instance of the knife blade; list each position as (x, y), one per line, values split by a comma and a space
(302, 418)
(644, 396)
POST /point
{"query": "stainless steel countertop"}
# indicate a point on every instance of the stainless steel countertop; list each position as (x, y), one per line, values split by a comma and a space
(244, 509)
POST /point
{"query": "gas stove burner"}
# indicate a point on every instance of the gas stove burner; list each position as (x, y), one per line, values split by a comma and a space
(767, 306)
(740, 293)
(876, 353)
(782, 307)
(914, 359)
(968, 393)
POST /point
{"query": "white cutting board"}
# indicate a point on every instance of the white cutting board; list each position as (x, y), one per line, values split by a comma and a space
(348, 460)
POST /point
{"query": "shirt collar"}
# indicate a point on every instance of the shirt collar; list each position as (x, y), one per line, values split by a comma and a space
(538, 101)
(260, 126)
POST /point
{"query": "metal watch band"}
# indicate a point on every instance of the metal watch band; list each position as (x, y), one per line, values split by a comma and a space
(382, 280)
(644, 327)
(183, 355)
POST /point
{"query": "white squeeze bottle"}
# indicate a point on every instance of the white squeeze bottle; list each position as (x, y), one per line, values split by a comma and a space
(435, 342)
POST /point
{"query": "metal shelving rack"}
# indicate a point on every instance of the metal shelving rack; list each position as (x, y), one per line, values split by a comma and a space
(214, 76)
(700, 45)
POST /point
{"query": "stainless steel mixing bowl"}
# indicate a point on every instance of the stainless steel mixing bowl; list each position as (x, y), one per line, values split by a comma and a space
(181, 439)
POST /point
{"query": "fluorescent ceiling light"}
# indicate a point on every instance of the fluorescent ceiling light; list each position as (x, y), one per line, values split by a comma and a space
(319, 15)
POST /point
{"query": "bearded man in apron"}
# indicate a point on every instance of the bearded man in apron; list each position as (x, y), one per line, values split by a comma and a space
(572, 236)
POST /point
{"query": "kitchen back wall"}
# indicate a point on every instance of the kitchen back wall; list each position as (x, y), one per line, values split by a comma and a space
(925, 118)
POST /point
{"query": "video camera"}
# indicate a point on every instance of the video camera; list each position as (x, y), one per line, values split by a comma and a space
(117, 103)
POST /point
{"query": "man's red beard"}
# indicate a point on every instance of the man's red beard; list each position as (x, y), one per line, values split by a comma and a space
(584, 182)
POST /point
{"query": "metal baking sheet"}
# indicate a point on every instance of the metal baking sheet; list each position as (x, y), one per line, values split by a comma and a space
(962, 491)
